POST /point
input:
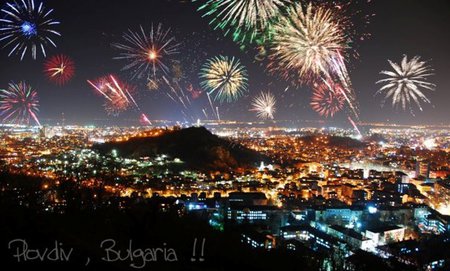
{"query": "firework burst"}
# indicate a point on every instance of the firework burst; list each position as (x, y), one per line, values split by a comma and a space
(406, 82)
(59, 69)
(19, 103)
(118, 95)
(311, 44)
(306, 43)
(264, 105)
(27, 26)
(245, 20)
(327, 98)
(147, 52)
(225, 76)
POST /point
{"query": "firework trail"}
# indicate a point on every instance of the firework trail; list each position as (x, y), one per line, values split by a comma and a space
(148, 53)
(144, 120)
(177, 93)
(183, 94)
(117, 94)
(27, 26)
(217, 113)
(19, 103)
(225, 76)
(264, 105)
(355, 126)
(406, 82)
(340, 70)
(212, 105)
(59, 69)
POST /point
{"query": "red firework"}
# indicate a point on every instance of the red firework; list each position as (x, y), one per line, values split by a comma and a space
(117, 94)
(327, 98)
(59, 69)
(195, 93)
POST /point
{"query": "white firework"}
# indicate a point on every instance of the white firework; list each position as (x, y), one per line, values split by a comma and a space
(406, 82)
(148, 52)
(264, 105)
(307, 42)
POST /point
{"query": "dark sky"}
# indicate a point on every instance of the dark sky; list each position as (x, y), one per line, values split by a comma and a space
(88, 27)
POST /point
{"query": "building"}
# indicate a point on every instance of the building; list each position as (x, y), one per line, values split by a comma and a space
(322, 241)
(420, 213)
(270, 216)
(331, 191)
(354, 239)
(245, 199)
(386, 198)
(422, 169)
(257, 240)
(385, 234)
(313, 238)
(437, 223)
(413, 253)
(401, 215)
(441, 200)
(338, 216)
(300, 232)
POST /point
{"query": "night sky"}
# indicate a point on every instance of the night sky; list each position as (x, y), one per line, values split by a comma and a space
(88, 27)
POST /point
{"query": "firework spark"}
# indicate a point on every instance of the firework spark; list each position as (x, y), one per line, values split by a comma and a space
(264, 105)
(327, 98)
(147, 52)
(19, 103)
(152, 84)
(59, 69)
(306, 43)
(245, 20)
(27, 26)
(406, 82)
(352, 18)
(118, 95)
(225, 76)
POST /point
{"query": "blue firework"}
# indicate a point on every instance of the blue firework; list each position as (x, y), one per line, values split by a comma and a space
(26, 26)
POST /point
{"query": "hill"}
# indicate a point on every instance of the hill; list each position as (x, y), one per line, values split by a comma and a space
(196, 146)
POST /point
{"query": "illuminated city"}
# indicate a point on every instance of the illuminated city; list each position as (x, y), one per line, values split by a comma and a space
(222, 135)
